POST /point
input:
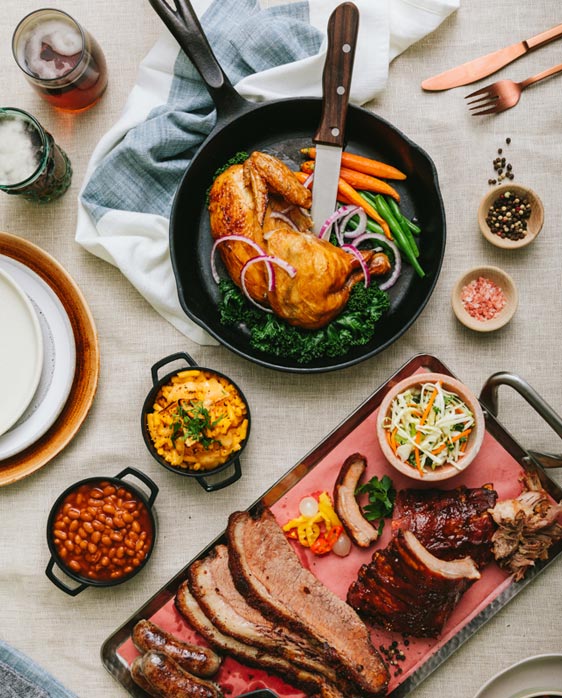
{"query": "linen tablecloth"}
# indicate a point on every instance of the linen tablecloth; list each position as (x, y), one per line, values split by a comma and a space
(292, 413)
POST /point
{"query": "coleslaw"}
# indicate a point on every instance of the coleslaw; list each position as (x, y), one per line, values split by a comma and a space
(428, 427)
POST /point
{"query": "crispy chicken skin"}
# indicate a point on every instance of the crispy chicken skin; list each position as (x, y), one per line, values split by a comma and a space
(241, 202)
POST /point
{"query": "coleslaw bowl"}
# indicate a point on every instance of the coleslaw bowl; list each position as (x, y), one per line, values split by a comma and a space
(450, 467)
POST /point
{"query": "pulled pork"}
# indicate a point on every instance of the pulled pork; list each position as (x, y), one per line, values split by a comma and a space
(527, 527)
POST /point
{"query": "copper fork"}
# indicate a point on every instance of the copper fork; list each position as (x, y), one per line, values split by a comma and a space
(504, 94)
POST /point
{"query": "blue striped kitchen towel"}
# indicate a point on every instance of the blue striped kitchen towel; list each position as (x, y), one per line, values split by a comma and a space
(20, 677)
(270, 49)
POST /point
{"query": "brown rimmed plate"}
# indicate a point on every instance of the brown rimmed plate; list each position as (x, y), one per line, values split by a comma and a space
(86, 374)
(500, 461)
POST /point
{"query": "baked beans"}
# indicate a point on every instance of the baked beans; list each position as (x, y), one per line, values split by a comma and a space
(102, 531)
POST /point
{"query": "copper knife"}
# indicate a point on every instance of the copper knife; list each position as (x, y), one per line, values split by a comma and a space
(486, 65)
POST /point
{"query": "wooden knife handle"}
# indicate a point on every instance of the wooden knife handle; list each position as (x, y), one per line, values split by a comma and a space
(544, 37)
(338, 69)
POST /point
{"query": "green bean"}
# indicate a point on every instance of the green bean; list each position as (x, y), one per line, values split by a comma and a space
(404, 223)
(372, 226)
(399, 236)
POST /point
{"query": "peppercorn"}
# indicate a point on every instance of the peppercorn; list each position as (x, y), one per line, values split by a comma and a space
(507, 216)
(508, 141)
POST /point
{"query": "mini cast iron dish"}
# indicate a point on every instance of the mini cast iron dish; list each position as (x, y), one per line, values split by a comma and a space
(205, 478)
(475, 437)
(95, 520)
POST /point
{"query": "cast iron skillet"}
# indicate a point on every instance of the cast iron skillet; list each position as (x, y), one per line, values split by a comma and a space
(281, 128)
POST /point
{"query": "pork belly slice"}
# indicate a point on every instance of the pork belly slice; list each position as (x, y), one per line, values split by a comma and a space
(407, 589)
(212, 585)
(449, 523)
(361, 532)
(269, 574)
(308, 682)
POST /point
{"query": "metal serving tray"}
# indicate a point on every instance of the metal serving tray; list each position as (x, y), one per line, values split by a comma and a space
(501, 461)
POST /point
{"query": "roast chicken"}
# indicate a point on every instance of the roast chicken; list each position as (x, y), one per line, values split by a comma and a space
(263, 200)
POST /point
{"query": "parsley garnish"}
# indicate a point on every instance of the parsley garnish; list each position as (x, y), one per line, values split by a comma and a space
(194, 422)
(381, 499)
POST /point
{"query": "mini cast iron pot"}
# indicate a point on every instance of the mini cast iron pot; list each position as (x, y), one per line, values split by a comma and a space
(202, 476)
(118, 482)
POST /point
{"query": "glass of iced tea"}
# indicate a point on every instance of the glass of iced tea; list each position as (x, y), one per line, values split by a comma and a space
(32, 165)
(60, 59)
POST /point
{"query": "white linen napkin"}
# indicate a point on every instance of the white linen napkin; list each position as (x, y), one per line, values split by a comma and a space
(271, 49)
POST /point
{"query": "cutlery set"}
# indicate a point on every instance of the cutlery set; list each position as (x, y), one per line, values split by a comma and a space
(500, 95)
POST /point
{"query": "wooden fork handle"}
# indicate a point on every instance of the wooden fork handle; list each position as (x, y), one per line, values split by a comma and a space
(544, 37)
(541, 76)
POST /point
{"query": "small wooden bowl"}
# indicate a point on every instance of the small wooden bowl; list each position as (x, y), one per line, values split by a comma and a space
(499, 277)
(475, 438)
(534, 222)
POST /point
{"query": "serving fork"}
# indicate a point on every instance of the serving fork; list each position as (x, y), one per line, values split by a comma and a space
(504, 94)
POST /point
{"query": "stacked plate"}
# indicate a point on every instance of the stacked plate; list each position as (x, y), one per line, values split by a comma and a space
(49, 358)
(37, 357)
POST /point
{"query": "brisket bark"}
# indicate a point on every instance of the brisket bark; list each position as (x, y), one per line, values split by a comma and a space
(268, 573)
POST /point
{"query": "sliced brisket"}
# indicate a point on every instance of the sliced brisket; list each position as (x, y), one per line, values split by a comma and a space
(268, 573)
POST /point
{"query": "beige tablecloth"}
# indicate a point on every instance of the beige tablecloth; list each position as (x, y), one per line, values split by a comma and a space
(291, 413)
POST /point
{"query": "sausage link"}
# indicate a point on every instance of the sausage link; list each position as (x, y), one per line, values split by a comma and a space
(200, 661)
(140, 679)
(163, 674)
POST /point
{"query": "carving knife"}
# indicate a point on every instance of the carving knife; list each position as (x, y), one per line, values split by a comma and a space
(486, 65)
(336, 82)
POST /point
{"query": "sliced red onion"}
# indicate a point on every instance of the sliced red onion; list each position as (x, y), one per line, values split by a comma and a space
(373, 236)
(361, 226)
(281, 216)
(354, 251)
(305, 211)
(268, 260)
(261, 258)
(395, 274)
(233, 238)
(396, 253)
(324, 232)
(308, 181)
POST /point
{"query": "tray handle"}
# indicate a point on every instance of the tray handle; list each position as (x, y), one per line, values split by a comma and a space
(489, 399)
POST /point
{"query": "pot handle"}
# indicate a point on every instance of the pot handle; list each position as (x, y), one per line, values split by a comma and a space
(168, 360)
(152, 486)
(260, 693)
(213, 487)
(71, 591)
(489, 399)
(185, 27)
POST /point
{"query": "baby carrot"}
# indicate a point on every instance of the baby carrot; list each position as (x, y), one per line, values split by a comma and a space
(365, 182)
(358, 180)
(368, 166)
(348, 194)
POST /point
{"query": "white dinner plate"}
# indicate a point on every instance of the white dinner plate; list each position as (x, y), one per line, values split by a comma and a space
(58, 366)
(21, 351)
(536, 676)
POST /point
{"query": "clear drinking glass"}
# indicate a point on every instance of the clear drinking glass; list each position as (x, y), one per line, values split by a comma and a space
(60, 59)
(32, 165)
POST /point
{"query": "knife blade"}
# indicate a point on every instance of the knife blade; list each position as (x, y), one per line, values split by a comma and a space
(487, 65)
(343, 26)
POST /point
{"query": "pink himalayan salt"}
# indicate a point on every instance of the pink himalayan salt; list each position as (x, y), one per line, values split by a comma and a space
(483, 299)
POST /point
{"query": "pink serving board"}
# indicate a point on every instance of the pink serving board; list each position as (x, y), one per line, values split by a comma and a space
(493, 465)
